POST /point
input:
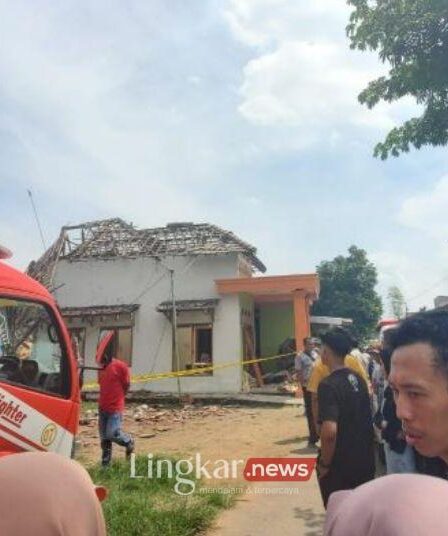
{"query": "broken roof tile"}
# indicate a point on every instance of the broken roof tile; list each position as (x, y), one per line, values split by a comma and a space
(112, 238)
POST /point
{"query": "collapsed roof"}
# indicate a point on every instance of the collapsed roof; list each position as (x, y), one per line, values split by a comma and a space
(112, 238)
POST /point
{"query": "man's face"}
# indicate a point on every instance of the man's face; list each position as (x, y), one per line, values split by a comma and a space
(309, 346)
(421, 395)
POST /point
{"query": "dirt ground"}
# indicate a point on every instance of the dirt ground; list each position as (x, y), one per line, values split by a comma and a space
(228, 433)
(215, 432)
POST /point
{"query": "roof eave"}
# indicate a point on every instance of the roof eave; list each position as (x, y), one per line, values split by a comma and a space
(257, 263)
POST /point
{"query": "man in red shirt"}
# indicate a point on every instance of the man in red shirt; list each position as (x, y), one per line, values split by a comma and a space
(114, 383)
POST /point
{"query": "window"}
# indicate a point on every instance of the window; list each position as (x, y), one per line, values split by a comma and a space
(121, 344)
(194, 345)
(78, 339)
(31, 352)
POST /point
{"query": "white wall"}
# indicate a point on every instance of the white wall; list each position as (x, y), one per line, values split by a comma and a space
(128, 281)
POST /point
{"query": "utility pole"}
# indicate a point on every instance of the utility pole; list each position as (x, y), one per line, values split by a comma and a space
(175, 353)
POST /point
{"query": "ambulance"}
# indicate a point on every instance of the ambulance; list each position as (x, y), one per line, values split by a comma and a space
(39, 384)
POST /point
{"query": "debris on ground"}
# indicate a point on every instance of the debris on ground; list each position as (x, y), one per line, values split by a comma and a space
(140, 417)
(89, 417)
(288, 387)
(277, 377)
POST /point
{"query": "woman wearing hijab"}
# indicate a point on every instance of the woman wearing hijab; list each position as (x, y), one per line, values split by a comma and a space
(393, 505)
(45, 494)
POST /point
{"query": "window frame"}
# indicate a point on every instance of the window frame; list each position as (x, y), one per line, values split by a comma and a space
(65, 369)
(194, 328)
(114, 329)
(82, 351)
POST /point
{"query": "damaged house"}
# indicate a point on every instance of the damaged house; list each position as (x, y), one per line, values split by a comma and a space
(109, 276)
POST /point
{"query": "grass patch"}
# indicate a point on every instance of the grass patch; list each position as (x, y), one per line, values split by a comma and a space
(150, 507)
(89, 405)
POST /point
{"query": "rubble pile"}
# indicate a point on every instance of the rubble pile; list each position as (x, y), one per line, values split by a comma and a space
(289, 387)
(146, 421)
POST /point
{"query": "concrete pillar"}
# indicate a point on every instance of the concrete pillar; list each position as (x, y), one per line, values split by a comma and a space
(302, 326)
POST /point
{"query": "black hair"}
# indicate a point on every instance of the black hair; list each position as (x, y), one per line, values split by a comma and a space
(386, 355)
(339, 341)
(387, 334)
(109, 351)
(429, 327)
(306, 340)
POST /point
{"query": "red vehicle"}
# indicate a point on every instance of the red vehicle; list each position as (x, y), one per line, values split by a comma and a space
(39, 389)
(384, 325)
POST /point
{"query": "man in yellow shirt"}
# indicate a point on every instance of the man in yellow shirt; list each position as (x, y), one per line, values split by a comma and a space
(321, 371)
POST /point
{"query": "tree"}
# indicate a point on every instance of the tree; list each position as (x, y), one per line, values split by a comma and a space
(348, 291)
(412, 35)
(397, 302)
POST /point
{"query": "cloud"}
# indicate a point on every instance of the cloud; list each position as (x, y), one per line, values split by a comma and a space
(419, 266)
(88, 95)
(305, 84)
(410, 275)
(23, 244)
(302, 73)
(245, 116)
(427, 211)
(264, 23)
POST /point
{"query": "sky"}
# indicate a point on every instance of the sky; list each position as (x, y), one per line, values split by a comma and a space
(241, 113)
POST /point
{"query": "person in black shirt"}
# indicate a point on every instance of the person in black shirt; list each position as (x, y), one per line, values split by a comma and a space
(346, 459)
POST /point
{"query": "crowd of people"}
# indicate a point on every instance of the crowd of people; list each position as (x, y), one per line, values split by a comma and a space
(381, 410)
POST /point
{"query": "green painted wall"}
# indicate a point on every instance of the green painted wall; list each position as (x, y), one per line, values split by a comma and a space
(276, 324)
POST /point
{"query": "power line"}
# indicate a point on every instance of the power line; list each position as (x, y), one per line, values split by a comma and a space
(37, 219)
(159, 345)
(151, 285)
(429, 289)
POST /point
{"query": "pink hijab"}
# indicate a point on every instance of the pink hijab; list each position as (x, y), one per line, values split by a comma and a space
(44, 494)
(393, 505)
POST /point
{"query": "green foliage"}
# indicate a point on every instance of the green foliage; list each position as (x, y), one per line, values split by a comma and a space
(150, 507)
(412, 36)
(348, 291)
(397, 302)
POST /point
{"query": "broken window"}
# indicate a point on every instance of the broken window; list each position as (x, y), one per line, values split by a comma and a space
(195, 348)
(121, 344)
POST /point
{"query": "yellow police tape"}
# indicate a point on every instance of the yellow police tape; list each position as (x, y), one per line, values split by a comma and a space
(144, 378)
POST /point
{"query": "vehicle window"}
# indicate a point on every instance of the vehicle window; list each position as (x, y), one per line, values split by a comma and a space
(30, 350)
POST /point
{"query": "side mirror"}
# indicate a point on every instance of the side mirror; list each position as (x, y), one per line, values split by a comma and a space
(52, 334)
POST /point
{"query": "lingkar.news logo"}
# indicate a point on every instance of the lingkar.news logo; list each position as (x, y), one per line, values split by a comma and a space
(186, 472)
